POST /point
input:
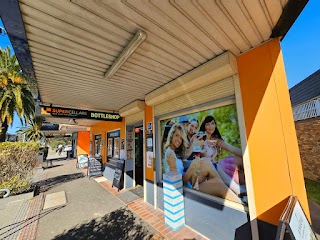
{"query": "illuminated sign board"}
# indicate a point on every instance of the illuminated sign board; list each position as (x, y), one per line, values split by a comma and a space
(76, 113)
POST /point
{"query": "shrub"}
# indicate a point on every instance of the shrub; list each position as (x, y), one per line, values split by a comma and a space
(17, 161)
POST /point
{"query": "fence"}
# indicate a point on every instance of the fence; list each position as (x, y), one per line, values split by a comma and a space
(309, 109)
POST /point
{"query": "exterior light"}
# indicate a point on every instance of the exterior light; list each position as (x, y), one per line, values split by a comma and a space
(135, 42)
(137, 130)
(73, 121)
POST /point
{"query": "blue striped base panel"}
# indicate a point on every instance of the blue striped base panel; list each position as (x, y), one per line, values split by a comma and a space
(172, 190)
(172, 197)
(173, 213)
(175, 229)
(174, 205)
(174, 221)
(178, 181)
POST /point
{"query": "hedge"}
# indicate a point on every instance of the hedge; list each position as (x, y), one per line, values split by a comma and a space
(17, 161)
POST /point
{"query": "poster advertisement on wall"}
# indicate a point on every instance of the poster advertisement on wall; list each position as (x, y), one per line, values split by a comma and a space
(116, 151)
(129, 154)
(205, 148)
(149, 159)
(130, 135)
(109, 147)
(130, 144)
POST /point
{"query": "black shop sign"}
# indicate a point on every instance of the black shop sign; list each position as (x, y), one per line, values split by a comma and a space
(118, 175)
(94, 167)
(77, 113)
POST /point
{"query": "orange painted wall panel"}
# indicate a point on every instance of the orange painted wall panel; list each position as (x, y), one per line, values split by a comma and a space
(290, 137)
(83, 143)
(269, 130)
(102, 128)
(149, 118)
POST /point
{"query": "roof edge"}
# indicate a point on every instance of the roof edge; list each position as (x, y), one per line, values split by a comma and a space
(289, 15)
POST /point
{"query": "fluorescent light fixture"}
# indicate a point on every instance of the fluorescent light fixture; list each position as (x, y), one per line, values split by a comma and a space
(135, 42)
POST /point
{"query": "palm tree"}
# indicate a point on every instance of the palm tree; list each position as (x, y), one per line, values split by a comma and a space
(33, 131)
(15, 94)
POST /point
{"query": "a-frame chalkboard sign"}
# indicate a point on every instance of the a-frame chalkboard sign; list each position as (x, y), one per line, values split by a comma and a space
(118, 175)
(94, 167)
(293, 224)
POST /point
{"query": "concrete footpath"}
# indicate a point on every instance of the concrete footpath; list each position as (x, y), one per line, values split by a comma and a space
(90, 209)
(95, 210)
(90, 212)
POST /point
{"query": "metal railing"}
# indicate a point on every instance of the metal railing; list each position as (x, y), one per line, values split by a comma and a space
(309, 109)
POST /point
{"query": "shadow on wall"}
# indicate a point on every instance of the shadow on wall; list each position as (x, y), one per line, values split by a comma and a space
(53, 182)
(119, 224)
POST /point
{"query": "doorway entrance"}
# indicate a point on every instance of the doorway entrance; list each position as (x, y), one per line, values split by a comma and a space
(138, 145)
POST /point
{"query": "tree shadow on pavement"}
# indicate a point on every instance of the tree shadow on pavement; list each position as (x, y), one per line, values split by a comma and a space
(119, 224)
(11, 229)
(55, 181)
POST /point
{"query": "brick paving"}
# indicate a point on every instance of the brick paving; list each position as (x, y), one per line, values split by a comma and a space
(24, 225)
(29, 228)
(154, 217)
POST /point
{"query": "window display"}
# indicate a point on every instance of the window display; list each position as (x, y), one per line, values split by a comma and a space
(113, 144)
(205, 148)
(116, 148)
(109, 147)
(97, 144)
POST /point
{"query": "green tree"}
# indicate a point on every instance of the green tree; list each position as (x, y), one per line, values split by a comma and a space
(15, 94)
(54, 142)
(33, 131)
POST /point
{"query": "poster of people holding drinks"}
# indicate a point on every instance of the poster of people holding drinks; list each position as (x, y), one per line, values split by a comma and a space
(205, 148)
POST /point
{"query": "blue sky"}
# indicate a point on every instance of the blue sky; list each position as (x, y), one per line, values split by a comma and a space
(300, 48)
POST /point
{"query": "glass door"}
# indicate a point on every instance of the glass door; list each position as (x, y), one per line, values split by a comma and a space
(138, 147)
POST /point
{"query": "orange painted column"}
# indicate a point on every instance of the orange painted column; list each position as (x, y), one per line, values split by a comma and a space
(83, 143)
(149, 118)
(272, 147)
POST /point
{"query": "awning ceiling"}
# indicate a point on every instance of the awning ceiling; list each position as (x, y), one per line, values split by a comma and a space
(69, 121)
(73, 43)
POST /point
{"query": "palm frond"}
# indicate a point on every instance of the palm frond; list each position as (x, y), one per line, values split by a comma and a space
(15, 94)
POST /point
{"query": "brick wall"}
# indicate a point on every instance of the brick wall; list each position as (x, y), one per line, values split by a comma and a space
(308, 133)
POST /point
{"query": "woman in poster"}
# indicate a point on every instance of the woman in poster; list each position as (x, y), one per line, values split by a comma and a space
(231, 165)
(200, 171)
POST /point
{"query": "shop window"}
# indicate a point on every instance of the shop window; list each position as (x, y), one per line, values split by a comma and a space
(113, 144)
(97, 145)
(205, 148)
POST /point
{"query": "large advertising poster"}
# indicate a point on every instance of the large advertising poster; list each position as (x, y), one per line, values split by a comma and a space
(205, 148)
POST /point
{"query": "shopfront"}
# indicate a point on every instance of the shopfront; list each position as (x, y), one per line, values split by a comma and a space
(113, 152)
(209, 114)
(107, 138)
(220, 107)
(134, 145)
(216, 117)
(202, 90)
